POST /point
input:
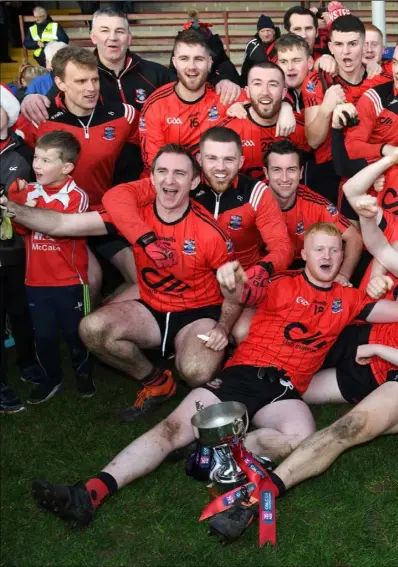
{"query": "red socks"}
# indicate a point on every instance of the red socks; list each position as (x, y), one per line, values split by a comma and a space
(100, 487)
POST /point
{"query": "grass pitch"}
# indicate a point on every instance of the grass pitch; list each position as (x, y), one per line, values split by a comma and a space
(346, 518)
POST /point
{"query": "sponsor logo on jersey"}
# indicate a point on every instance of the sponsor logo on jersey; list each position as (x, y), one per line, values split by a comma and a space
(248, 143)
(200, 193)
(142, 123)
(302, 301)
(140, 95)
(213, 113)
(56, 115)
(337, 306)
(235, 222)
(43, 243)
(300, 227)
(310, 87)
(13, 168)
(393, 102)
(109, 133)
(189, 247)
(332, 209)
(173, 120)
(230, 246)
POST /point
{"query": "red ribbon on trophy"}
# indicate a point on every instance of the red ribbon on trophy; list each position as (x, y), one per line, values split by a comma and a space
(260, 489)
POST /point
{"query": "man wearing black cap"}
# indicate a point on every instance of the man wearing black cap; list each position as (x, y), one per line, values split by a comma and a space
(261, 47)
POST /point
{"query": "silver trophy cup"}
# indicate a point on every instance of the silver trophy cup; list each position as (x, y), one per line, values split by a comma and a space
(218, 426)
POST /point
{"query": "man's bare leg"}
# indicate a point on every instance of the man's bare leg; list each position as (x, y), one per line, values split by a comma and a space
(282, 426)
(94, 277)
(124, 262)
(77, 503)
(194, 360)
(115, 334)
(146, 453)
(376, 415)
(324, 389)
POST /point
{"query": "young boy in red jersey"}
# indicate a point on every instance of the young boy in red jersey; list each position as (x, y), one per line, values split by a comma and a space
(56, 268)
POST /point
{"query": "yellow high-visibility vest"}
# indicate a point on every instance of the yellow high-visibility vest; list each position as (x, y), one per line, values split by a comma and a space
(49, 34)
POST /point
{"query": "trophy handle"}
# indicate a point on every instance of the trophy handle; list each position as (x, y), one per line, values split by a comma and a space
(238, 427)
(199, 406)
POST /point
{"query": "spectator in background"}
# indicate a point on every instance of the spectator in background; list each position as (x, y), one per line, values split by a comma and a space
(27, 74)
(43, 83)
(42, 32)
(262, 47)
(16, 160)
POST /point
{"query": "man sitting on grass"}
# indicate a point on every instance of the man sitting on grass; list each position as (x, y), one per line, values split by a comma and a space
(269, 371)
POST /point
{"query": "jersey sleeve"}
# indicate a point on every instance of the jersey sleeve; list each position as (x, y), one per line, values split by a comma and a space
(312, 91)
(243, 99)
(298, 136)
(219, 249)
(78, 201)
(360, 305)
(357, 137)
(122, 204)
(272, 227)
(151, 133)
(132, 115)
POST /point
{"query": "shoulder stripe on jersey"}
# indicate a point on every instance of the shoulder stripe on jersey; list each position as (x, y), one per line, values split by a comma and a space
(375, 98)
(308, 195)
(287, 273)
(344, 221)
(158, 95)
(256, 194)
(203, 216)
(83, 206)
(129, 113)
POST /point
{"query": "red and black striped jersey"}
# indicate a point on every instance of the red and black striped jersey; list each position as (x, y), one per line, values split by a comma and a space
(257, 138)
(296, 325)
(309, 208)
(378, 123)
(314, 88)
(202, 247)
(247, 212)
(167, 119)
(102, 136)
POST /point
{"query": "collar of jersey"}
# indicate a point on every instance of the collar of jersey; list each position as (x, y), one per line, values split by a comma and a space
(250, 117)
(191, 101)
(364, 77)
(60, 103)
(62, 194)
(182, 217)
(318, 287)
(131, 60)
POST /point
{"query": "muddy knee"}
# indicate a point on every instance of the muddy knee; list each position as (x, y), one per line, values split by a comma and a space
(93, 329)
(350, 427)
(170, 431)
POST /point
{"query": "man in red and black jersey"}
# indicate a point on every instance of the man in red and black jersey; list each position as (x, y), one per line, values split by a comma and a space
(377, 132)
(302, 207)
(102, 130)
(295, 59)
(266, 90)
(322, 93)
(305, 313)
(181, 112)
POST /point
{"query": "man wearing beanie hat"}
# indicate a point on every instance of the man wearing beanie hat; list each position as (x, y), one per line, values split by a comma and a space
(15, 162)
(262, 47)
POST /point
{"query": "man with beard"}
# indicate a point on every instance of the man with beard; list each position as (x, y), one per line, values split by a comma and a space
(266, 90)
(269, 372)
(180, 112)
(302, 207)
(322, 93)
(261, 48)
(295, 59)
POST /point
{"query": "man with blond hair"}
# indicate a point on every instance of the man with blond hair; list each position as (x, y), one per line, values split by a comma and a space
(299, 317)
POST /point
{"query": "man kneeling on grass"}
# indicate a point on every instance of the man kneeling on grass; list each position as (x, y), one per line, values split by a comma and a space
(269, 371)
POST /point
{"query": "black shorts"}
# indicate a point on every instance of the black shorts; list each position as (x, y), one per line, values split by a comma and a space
(354, 380)
(253, 386)
(170, 323)
(108, 245)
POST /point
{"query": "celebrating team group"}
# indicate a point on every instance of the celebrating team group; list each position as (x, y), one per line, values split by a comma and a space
(255, 227)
